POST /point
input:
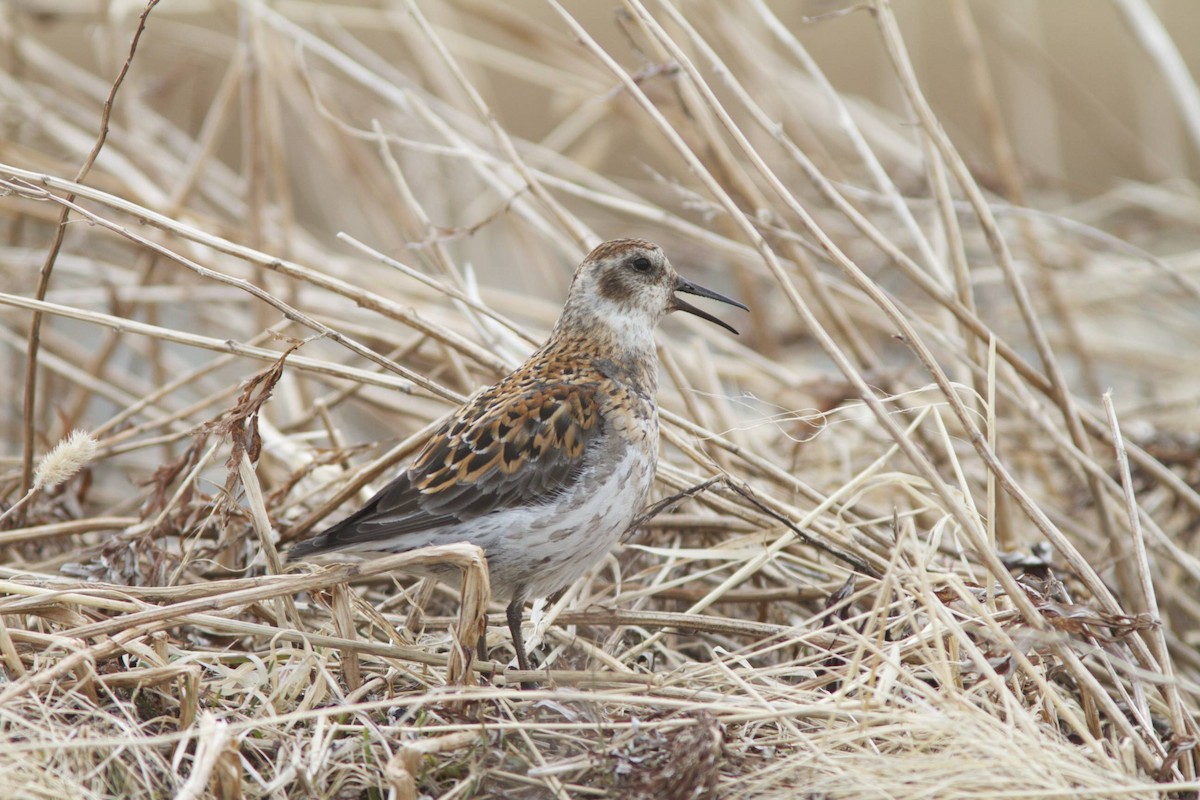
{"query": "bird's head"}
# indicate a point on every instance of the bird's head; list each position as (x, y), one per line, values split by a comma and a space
(628, 286)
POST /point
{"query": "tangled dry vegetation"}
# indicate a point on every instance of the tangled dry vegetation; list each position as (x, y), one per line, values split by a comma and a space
(907, 545)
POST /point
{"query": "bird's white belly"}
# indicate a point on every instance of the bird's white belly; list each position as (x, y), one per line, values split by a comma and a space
(547, 547)
(538, 550)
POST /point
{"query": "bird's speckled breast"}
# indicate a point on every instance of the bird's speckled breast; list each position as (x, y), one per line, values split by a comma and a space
(579, 527)
(569, 536)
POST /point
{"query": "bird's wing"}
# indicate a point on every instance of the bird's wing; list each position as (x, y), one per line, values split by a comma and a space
(498, 452)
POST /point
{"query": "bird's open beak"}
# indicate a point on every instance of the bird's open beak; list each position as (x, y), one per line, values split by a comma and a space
(679, 304)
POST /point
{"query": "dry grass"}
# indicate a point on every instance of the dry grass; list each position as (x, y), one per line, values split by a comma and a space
(910, 549)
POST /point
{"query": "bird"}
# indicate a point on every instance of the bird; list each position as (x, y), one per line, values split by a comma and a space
(546, 469)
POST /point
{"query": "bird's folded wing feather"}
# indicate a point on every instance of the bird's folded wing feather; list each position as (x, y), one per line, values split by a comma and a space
(498, 452)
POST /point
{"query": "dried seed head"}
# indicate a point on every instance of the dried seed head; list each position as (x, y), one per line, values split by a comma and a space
(67, 458)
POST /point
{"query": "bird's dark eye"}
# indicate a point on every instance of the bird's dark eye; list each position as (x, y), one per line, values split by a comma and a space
(642, 264)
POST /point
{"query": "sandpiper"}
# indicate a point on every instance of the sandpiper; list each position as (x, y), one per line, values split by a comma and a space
(546, 469)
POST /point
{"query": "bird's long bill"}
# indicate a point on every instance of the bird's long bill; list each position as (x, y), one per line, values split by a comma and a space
(679, 304)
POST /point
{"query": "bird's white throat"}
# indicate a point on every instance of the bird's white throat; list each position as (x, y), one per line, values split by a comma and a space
(632, 330)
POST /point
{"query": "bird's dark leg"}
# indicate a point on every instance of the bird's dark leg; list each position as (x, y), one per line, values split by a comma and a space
(514, 626)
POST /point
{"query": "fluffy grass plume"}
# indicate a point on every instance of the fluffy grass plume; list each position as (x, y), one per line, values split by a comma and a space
(62, 463)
